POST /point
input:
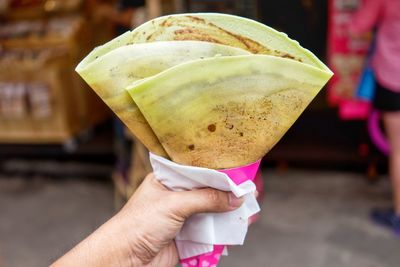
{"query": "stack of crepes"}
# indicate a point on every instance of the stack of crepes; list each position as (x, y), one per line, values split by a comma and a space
(205, 90)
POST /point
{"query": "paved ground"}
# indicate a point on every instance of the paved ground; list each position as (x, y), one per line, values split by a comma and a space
(42, 218)
(310, 219)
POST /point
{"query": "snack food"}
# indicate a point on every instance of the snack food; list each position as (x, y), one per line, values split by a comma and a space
(110, 74)
(226, 112)
(171, 40)
(206, 90)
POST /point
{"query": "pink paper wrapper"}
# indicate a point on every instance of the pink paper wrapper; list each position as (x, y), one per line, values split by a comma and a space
(211, 259)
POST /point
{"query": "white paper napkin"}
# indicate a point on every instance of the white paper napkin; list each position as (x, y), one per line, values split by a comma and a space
(201, 231)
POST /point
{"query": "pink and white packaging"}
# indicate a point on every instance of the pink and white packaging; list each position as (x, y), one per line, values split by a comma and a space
(202, 231)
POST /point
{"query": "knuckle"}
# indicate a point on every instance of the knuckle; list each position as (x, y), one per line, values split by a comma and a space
(149, 178)
(145, 249)
(212, 195)
(176, 208)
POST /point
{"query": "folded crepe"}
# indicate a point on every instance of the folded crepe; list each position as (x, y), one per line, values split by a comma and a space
(226, 112)
(209, 90)
(112, 72)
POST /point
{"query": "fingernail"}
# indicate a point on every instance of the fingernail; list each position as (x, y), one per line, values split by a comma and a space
(235, 202)
(256, 193)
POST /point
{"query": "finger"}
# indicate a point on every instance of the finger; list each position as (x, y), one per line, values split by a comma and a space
(205, 200)
(151, 182)
(256, 194)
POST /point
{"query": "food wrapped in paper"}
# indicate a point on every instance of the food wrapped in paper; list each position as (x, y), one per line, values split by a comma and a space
(206, 90)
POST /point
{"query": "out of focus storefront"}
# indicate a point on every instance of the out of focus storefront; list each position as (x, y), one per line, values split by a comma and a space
(42, 100)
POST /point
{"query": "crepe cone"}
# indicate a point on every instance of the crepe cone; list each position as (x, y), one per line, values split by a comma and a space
(229, 111)
(110, 68)
(109, 75)
(220, 103)
(218, 28)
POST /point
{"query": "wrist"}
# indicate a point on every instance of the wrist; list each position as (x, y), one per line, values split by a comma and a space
(133, 233)
(122, 241)
(105, 247)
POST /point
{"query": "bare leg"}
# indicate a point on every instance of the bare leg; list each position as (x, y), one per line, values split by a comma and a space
(392, 126)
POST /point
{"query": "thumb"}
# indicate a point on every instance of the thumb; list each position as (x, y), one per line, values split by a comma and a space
(206, 200)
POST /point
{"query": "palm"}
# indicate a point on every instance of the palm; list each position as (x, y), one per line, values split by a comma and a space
(167, 257)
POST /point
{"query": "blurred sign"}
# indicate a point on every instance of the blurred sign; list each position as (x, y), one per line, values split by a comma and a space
(346, 57)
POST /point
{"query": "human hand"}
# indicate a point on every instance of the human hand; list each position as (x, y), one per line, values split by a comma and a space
(160, 214)
(142, 233)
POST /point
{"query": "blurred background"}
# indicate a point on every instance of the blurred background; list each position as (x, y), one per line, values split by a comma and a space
(67, 165)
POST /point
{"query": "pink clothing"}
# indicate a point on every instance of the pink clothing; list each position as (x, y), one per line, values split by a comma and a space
(385, 15)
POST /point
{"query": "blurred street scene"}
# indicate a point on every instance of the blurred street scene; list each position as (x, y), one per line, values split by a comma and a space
(321, 219)
(331, 194)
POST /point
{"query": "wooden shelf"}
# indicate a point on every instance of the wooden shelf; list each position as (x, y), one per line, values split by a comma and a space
(46, 9)
(74, 106)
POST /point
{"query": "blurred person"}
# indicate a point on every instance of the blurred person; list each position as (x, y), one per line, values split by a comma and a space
(142, 233)
(384, 16)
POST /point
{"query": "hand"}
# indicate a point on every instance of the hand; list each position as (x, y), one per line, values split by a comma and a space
(159, 215)
(142, 233)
